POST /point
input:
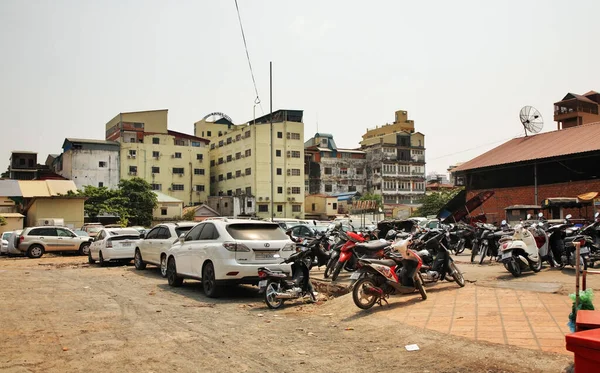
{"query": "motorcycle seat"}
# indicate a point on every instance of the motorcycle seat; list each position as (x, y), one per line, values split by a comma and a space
(383, 262)
(372, 245)
(423, 253)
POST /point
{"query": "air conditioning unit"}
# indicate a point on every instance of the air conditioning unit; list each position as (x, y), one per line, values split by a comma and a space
(289, 135)
(133, 173)
(170, 188)
(197, 192)
(260, 198)
(289, 172)
(172, 155)
(289, 190)
(289, 154)
(180, 175)
(293, 198)
(232, 140)
(289, 199)
(242, 156)
(266, 198)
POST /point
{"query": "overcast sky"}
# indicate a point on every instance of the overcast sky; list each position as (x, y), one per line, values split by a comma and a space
(462, 69)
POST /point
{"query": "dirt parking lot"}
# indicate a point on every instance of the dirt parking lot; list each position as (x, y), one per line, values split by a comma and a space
(58, 314)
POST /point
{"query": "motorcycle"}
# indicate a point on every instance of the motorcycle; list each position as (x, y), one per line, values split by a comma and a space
(437, 262)
(355, 248)
(278, 287)
(520, 251)
(376, 279)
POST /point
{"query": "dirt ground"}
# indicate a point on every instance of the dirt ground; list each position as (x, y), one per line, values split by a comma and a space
(58, 314)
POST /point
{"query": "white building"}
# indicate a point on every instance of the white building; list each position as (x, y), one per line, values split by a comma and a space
(89, 162)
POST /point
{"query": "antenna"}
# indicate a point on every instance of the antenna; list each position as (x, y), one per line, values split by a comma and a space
(531, 119)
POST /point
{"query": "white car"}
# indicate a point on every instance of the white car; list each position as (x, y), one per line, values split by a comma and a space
(152, 247)
(13, 239)
(224, 251)
(4, 247)
(113, 244)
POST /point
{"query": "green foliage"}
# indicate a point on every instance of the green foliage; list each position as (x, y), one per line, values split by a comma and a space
(432, 203)
(585, 303)
(189, 215)
(133, 201)
(2, 220)
(372, 197)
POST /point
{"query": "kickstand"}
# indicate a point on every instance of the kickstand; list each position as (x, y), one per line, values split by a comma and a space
(382, 299)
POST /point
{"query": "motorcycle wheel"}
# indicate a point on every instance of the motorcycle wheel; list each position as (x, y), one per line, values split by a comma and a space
(349, 268)
(514, 268)
(337, 270)
(536, 267)
(361, 299)
(484, 251)
(474, 252)
(457, 275)
(329, 268)
(460, 247)
(272, 302)
(421, 288)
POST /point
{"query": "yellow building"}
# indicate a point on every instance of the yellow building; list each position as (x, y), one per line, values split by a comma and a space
(48, 199)
(172, 162)
(167, 208)
(320, 206)
(240, 160)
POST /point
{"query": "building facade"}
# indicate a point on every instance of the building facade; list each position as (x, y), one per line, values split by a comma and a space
(576, 110)
(240, 161)
(174, 163)
(23, 165)
(395, 164)
(329, 169)
(89, 162)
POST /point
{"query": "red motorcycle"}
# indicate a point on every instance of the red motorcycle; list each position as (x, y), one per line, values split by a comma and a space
(355, 248)
(376, 280)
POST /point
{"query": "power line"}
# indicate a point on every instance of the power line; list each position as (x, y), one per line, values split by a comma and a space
(476, 147)
(257, 99)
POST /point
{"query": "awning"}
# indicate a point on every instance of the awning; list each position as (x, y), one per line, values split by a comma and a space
(457, 208)
(564, 202)
(587, 197)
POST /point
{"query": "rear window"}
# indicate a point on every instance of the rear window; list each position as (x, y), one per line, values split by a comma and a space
(93, 229)
(180, 230)
(5, 235)
(252, 231)
(125, 237)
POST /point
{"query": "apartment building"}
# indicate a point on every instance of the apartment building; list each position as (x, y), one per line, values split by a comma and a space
(240, 161)
(331, 170)
(174, 163)
(395, 166)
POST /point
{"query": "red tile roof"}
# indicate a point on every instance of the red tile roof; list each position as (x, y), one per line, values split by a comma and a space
(579, 139)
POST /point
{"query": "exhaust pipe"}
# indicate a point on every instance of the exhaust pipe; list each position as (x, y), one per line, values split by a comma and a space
(284, 296)
(373, 290)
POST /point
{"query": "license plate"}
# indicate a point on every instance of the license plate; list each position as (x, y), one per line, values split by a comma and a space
(506, 255)
(355, 276)
(584, 250)
(262, 283)
(126, 244)
(264, 255)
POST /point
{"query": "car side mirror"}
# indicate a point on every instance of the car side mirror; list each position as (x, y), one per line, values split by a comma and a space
(142, 236)
(182, 238)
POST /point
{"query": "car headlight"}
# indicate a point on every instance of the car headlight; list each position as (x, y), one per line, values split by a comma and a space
(289, 247)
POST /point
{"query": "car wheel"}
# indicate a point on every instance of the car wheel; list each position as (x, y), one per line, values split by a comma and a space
(35, 251)
(172, 277)
(90, 259)
(101, 260)
(137, 260)
(163, 265)
(209, 283)
(84, 249)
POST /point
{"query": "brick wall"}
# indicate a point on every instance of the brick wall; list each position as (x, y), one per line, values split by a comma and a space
(504, 197)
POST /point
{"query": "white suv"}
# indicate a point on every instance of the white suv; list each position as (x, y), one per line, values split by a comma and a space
(153, 246)
(227, 251)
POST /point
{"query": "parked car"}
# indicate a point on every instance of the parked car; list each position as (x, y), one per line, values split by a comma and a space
(35, 241)
(81, 233)
(92, 228)
(303, 231)
(13, 242)
(113, 244)
(227, 251)
(4, 247)
(152, 248)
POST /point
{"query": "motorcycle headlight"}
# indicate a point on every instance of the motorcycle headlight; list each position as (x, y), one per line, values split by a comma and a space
(289, 247)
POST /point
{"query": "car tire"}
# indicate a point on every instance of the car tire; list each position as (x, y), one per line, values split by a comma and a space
(138, 261)
(84, 249)
(172, 278)
(209, 283)
(90, 259)
(35, 251)
(163, 266)
(101, 260)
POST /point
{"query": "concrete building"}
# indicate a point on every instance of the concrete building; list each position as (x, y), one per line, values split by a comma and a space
(240, 161)
(329, 169)
(172, 162)
(168, 208)
(233, 206)
(201, 212)
(89, 162)
(23, 165)
(452, 177)
(395, 167)
(576, 110)
(48, 199)
(9, 209)
(320, 207)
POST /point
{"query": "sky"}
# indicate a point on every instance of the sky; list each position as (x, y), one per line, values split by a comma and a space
(462, 69)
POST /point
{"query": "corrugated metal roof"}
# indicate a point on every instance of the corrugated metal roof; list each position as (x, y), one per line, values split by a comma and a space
(10, 188)
(161, 197)
(46, 188)
(572, 140)
(11, 215)
(91, 141)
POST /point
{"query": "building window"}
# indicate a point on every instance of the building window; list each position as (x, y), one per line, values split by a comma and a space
(229, 176)
(293, 136)
(177, 155)
(132, 170)
(248, 171)
(247, 134)
(199, 157)
(212, 146)
(132, 139)
(220, 160)
(279, 190)
(295, 154)
(343, 171)
(238, 137)
(100, 184)
(238, 173)
(280, 135)
(229, 140)
(327, 170)
(199, 188)
(238, 155)
(278, 153)
(238, 191)
(155, 140)
(249, 204)
(179, 142)
(212, 163)
(132, 153)
(263, 208)
(328, 188)
(155, 154)
(334, 205)
(163, 211)
(213, 179)
(314, 206)
(155, 170)
(221, 177)
(352, 188)
(279, 208)
(178, 170)
(196, 144)
(156, 186)
(178, 187)
(295, 190)
(324, 142)
(208, 133)
(359, 171)
(296, 208)
(248, 153)
(279, 171)
(248, 191)
(229, 158)
(101, 164)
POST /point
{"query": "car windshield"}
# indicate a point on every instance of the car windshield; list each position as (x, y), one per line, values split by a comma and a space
(6, 235)
(125, 237)
(180, 230)
(93, 229)
(253, 231)
(81, 233)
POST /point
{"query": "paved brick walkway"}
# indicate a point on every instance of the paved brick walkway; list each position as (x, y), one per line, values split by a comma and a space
(521, 318)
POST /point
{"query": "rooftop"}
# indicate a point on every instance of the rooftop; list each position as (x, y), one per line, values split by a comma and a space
(574, 140)
(282, 115)
(161, 197)
(186, 136)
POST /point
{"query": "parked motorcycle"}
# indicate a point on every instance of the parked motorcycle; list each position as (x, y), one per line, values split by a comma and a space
(355, 248)
(376, 279)
(437, 262)
(520, 251)
(278, 287)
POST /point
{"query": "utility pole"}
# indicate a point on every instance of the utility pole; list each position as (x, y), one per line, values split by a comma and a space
(271, 133)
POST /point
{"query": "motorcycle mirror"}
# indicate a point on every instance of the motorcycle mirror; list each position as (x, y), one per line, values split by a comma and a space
(528, 216)
(596, 215)
(338, 225)
(503, 222)
(541, 215)
(568, 216)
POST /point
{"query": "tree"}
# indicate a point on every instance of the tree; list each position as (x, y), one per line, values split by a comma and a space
(189, 215)
(2, 220)
(99, 200)
(137, 200)
(432, 203)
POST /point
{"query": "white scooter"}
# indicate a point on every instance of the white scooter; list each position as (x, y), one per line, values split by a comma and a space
(521, 250)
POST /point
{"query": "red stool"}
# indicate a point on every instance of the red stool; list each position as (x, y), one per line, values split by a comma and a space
(587, 319)
(586, 347)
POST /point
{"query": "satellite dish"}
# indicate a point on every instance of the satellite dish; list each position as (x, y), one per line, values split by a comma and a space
(531, 119)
